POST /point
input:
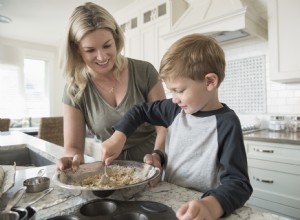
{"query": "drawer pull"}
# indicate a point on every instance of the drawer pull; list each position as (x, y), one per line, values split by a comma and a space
(263, 151)
(262, 180)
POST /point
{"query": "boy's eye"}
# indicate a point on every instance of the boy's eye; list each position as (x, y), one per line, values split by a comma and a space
(176, 91)
(179, 90)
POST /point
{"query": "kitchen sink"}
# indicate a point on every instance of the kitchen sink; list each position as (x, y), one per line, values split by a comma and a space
(23, 156)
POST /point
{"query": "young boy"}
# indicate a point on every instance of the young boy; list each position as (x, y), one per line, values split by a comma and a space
(204, 146)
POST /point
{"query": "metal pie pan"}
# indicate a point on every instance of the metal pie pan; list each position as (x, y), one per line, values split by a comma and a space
(66, 177)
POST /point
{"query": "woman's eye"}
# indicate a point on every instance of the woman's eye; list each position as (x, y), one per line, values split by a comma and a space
(90, 51)
(107, 46)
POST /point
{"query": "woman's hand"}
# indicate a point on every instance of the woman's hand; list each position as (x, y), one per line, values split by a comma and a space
(207, 208)
(70, 162)
(112, 147)
(154, 160)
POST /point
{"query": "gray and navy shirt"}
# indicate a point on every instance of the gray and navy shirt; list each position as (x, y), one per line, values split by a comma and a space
(205, 150)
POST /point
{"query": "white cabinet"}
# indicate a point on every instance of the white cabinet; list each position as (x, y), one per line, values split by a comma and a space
(145, 25)
(284, 35)
(130, 25)
(274, 172)
(152, 44)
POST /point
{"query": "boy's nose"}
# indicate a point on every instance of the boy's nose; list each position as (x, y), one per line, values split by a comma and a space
(175, 100)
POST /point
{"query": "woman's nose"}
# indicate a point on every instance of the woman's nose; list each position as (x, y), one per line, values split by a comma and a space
(100, 55)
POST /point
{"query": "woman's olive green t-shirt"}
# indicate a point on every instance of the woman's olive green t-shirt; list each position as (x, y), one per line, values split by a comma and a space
(100, 116)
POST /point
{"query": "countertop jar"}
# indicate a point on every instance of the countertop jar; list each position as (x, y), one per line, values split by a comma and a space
(277, 123)
(294, 124)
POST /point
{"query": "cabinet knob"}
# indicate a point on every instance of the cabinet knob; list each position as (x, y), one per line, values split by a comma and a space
(262, 180)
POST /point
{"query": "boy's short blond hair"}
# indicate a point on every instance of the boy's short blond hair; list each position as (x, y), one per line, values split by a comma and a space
(193, 56)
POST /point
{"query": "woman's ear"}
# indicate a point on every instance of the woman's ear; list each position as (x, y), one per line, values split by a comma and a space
(211, 80)
(78, 50)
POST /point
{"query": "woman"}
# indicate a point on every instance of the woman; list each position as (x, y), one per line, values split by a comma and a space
(102, 85)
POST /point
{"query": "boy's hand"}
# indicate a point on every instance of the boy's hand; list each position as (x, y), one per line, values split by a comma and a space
(207, 208)
(154, 161)
(112, 147)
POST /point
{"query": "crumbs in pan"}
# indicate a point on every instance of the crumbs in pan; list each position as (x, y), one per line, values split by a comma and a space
(118, 176)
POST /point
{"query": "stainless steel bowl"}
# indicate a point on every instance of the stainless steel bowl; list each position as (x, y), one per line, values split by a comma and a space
(36, 184)
(66, 178)
(103, 193)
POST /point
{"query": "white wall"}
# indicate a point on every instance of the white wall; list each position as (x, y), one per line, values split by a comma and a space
(55, 80)
(282, 98)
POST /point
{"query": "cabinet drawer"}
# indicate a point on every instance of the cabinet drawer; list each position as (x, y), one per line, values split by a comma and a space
(274, 207)
(276, 186)
(271, 151)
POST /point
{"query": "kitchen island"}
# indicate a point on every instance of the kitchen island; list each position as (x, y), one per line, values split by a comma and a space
(64, 201)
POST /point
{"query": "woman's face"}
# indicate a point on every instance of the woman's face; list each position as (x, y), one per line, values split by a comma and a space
(98, 51)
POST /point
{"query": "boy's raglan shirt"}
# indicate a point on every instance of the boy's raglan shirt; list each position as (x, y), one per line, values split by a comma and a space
(205, 150)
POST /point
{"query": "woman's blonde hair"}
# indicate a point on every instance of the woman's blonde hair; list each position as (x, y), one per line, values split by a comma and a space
(193, 56)
(85, 19)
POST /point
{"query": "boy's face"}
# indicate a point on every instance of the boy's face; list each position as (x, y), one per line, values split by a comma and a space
(192, 96)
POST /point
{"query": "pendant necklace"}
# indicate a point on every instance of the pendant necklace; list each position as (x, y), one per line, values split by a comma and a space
(110, 90)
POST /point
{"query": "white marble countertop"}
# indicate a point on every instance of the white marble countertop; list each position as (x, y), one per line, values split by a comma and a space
(26, 129)
(15, 139)
(64, 201)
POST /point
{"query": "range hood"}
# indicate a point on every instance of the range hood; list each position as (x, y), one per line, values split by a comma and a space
(225, 20)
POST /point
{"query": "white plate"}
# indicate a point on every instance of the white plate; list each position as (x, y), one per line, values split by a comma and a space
(64, 178)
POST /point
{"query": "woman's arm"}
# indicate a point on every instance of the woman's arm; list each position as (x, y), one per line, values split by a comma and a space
(74, 138)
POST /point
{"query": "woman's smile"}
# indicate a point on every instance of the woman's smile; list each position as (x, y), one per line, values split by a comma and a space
(101, 63)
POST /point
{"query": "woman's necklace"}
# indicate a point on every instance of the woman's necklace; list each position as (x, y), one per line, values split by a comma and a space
(110, 90)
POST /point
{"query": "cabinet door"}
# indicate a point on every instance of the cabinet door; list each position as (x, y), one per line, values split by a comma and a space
(284, 35)
(132, 44)
(148, 43)
(152, 44)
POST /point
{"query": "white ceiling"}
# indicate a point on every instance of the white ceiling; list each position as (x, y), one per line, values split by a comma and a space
(44, 21)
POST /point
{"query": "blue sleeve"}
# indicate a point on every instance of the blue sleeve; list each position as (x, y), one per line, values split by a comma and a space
(235, 188)
(158, 113)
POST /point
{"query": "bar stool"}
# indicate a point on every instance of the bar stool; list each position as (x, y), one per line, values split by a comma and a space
(4, 124)
(51, 130)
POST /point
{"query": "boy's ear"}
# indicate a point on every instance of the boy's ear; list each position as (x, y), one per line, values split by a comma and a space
(211, 80)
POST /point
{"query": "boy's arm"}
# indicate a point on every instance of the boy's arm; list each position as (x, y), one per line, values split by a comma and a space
(112, 147)
(235, 188)
(159, 113)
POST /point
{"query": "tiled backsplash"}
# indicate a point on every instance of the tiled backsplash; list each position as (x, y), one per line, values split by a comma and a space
(282, 98)
(244, 87)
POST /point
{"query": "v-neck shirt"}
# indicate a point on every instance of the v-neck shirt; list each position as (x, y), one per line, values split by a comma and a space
(100, 116)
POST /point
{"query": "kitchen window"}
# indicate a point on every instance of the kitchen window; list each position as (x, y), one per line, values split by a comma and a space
(23, 93)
